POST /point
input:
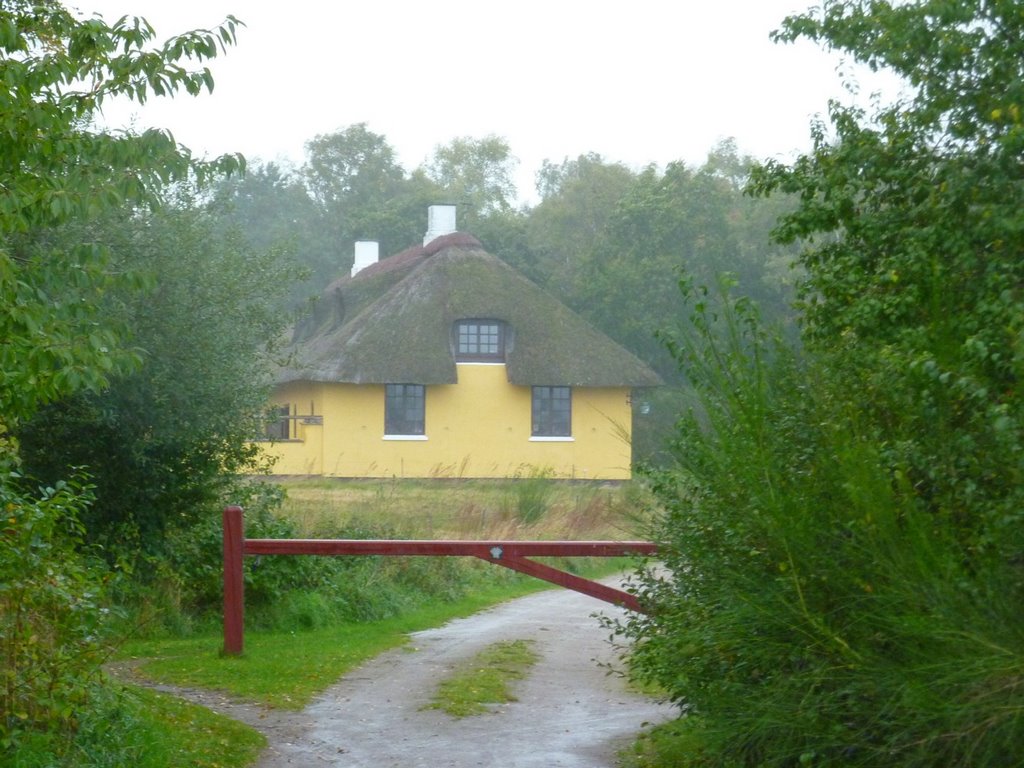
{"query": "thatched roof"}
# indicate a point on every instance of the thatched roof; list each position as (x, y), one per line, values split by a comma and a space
(392, 323)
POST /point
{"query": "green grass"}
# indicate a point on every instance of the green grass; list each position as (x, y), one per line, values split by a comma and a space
(287, 670)
(675, 744)
(214, 741)
(143, 729)
(485, 679)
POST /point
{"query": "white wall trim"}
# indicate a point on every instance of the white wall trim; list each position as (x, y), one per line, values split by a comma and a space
(405, 437)
(552, 439)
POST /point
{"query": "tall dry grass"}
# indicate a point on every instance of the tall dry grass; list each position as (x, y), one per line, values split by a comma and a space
(527, 508)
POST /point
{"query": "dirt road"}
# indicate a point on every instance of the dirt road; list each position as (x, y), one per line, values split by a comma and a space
(570, 711)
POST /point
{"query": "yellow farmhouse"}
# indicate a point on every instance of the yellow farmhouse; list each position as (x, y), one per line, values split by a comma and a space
(443, 361)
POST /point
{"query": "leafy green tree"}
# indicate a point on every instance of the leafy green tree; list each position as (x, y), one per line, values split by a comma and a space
(613, 243)
(765, 270)
(667, 224)
(55, 73)
(273, 210)
(161, 444)
(506, 235)
(354, 164)
(914, 279)
(364, 193)
(844, 531)
(476, 174)
(578, 200)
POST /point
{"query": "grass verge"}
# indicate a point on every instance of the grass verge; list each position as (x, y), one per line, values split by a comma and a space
(675, 744)
(131, 726)
(287, 670)
(484, 679)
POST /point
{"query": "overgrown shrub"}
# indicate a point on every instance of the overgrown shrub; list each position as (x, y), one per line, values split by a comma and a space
(182, 592)
(814, 612)
(52, 611)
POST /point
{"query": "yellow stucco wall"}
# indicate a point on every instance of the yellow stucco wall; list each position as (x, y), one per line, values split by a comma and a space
(479, 427)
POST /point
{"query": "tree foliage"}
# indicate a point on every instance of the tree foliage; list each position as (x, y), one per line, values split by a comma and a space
(352, 187)
(605, 237)
(916, 293)
(51, 611)
(273, 210)
(56, 72)
(58, 172)
(161, 442)
(476, 174)
(363, 193)
(844, 531)
(578, 199)
(356, 180)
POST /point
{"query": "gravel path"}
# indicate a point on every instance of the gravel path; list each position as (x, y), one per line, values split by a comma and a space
(570, 711)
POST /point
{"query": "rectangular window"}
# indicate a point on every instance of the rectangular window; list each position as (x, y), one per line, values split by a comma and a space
(404, 409)
(281, 427)
(552, 412)
(480, 340)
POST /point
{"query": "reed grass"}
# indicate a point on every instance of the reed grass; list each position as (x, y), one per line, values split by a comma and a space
(470, 509)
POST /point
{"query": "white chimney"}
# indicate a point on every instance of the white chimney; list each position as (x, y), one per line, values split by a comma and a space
(367, 253)
(440, 221)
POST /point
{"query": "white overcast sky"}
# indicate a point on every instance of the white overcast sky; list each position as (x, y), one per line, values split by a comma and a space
(646, 81)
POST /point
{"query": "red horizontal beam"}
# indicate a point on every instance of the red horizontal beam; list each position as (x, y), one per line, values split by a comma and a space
(487, 550)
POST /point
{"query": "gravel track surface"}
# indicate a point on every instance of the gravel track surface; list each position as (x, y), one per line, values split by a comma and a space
(572, 710)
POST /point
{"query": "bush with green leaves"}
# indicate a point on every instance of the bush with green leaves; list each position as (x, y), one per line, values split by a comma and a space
(53, 613)
(180, 591)
(845, 532)
(162, 442)
(814, 613)
(914, 251)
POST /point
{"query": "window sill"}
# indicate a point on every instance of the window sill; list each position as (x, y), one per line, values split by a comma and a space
(405, 437)
(276, 440)
(552, 439)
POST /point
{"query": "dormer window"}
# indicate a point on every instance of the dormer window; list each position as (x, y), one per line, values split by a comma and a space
(480, 341)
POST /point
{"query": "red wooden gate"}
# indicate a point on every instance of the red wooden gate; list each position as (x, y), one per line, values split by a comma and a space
(509, 554)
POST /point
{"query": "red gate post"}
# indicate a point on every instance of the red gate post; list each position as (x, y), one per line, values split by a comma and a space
(234, 605)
